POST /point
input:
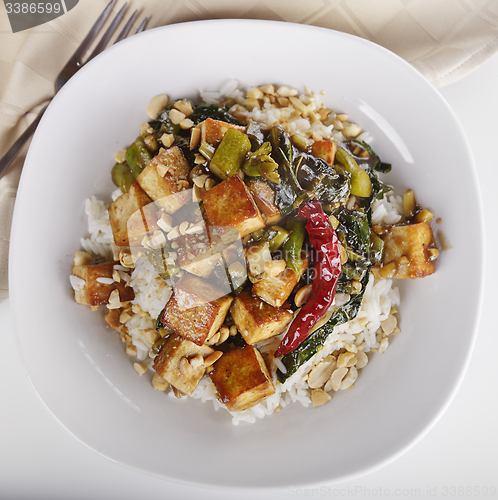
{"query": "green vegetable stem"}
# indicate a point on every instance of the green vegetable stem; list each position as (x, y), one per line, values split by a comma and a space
(230, 154)
(138, 156)
(360, 181)
(293, 246)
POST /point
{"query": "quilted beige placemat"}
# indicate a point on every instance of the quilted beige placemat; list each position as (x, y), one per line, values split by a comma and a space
(443, 39)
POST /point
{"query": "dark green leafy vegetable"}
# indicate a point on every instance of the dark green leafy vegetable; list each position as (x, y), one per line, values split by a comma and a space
(163, 125)
(284, 197)
(355, 227)
(204, 111)
(288, 190)
(379, 188)
(159, 323)
(255, 135)
(317, 177)
(281, 144)
(376, 247)
(138, 156)
(373, 161)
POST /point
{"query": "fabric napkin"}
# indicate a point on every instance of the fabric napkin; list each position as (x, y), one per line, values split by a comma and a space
(443, 39)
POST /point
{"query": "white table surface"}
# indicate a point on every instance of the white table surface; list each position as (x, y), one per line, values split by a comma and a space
(458, 458)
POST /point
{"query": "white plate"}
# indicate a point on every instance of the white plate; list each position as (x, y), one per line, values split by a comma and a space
(79, 369)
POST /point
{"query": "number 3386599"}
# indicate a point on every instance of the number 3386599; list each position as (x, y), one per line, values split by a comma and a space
(32, 8)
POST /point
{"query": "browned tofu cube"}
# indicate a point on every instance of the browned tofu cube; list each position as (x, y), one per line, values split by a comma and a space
(324, 150)
(241, 378)
(256, 320)
(196, 255)
(123, 208)
(96, 293)
(230, 204)
(173, 363)
(411, 249)
(165, 179)
(275, 290)
(196, 310)
(264, 196)
(212, 131)
(141, 223)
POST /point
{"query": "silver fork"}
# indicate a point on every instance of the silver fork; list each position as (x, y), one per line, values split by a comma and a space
(73, 65)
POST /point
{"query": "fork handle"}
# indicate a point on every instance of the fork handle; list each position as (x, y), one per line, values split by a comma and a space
(9, 156)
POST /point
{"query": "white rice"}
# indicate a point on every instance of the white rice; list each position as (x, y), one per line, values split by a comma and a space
(388, 210)
(151, 291)
(98, 243)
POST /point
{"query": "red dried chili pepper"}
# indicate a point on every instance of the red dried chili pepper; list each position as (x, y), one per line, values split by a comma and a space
(327, 263)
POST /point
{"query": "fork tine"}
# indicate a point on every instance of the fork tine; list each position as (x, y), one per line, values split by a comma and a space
(80, 51)
(127, 27)
(142, 26)
(109, 32)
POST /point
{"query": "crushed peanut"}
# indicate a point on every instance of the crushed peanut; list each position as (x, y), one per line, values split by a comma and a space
(176, 116)
(212, 358)
(114, 300)
(350, 379)
(156, 105)
(336, 378)
(319, 375)
(131, 350)
(275, 267)
(319, 397)
(140, 368)
(184, 106)
(121, 156)
(167, 140)
(158, 383)
(197, 361)
(302, 295)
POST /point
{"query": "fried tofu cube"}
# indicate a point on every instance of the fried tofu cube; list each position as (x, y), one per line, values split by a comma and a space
(264, 196)
(215, 247)
(230, 204)
(275, 290)
(256, 320)
(324, 150)
(196, 310)
(173, 363)
(123, 208)
(95, 292)
(165, 179)
(143, 223)
(212, 131)
(241, 378)
(196, 254)
(412, 250)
